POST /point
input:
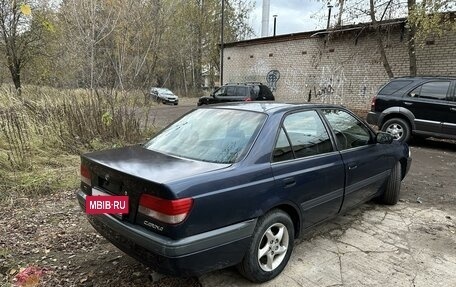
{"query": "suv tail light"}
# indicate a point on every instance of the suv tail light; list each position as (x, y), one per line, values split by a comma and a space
(373, 104)
(248, 99)
(85, 175)
(167, 211)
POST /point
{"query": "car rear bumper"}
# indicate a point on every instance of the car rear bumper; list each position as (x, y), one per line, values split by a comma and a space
(372, 118)
(188, 256)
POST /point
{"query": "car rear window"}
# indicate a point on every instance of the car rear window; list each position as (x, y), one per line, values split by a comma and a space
(211, 135)
(394, 86)
(432, 90)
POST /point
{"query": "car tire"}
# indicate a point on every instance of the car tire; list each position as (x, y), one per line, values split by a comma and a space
(273, 237)
(393, 186)
(399, 128)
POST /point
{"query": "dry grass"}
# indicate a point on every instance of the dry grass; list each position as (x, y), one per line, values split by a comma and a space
(43, 132)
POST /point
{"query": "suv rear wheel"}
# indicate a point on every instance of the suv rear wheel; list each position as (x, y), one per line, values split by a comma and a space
(398, 128)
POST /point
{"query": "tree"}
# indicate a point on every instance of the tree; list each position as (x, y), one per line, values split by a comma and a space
(425, 18)
(21, 35)
(379, 38)
(194, 36)
(123, 44)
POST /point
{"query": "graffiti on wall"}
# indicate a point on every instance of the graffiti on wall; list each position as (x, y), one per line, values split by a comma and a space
(295, 80)
(271, 78)
(334, 82)
(331, 85)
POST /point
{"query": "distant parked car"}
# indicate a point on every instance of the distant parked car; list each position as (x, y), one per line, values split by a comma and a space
(163, 95)
(419, 106)
(238, 92)
(235, 184)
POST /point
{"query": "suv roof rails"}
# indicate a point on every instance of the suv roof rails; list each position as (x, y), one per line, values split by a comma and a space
(244, 83)
(254, 83)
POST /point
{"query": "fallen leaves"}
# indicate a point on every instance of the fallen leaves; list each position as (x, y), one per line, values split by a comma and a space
(29, 276)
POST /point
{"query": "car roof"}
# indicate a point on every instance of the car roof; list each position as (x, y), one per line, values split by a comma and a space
(268, 107)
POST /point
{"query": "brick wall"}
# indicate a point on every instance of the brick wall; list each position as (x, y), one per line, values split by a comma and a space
(341, 71)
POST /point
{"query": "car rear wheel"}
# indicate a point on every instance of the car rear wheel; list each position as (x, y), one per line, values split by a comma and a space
(393, 186)
(398, 128)
(271, 247)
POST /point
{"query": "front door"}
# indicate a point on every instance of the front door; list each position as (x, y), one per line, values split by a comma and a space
(367, 164)
(307, 167)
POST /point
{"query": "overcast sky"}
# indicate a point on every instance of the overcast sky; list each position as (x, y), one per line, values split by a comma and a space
(292, 16)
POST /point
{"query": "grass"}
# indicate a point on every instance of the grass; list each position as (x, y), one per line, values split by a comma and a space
(43, 132)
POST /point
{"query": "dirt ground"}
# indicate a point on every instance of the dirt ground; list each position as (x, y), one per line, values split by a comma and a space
(410, 244)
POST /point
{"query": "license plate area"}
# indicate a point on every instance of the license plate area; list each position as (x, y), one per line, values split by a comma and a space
(98, 192)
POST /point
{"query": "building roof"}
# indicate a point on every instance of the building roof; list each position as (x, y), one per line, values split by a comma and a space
(399, 22)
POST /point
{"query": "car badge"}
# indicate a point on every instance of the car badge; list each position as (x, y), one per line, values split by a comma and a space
(107, 177)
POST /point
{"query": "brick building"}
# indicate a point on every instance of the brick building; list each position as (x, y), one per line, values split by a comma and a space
(340, 66)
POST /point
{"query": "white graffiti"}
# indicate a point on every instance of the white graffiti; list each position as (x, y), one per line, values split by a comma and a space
(331, 85)
(294, 80)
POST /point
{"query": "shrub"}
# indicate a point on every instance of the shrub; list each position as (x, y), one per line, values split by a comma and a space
(43, 132)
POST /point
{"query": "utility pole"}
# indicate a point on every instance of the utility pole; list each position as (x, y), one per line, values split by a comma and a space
(275, 24)
(221, 42)
(329, 14)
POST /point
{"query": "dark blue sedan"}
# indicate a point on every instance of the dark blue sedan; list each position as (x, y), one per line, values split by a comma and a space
(236, 184)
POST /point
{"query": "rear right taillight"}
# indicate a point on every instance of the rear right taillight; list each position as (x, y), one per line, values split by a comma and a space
(85, 175)
(373, 104)
(172, 211)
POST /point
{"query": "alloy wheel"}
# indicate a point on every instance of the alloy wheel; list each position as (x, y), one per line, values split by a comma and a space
(273, 247)
(396, 130)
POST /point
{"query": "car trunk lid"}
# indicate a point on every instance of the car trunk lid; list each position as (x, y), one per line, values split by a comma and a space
(134, 171)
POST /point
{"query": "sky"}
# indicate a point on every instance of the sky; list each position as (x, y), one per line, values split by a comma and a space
(292, 16)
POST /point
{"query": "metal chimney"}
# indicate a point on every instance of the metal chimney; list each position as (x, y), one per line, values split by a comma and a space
(265, 18)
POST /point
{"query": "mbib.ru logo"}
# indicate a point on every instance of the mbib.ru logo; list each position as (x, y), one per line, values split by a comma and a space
(107, 204)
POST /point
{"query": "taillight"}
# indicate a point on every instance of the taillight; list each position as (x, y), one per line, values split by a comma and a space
(85, 175)
(167, 211)
(247, 100)
(373, 104)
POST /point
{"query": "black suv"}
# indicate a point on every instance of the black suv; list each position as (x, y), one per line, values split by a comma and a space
(422, 106)
(238, 92)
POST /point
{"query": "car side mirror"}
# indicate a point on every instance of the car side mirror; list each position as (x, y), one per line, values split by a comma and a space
(384, 138)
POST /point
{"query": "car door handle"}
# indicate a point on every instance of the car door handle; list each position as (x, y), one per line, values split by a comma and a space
(352, 167)
(453, 109)
(289, 182)
(408, 103)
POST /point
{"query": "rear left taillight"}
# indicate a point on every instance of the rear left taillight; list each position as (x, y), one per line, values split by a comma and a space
(85, 175)
(248, 100)
(168, 211)
(373, 104)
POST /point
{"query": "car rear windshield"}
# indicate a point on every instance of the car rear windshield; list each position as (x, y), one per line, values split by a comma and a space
(211, 135)
(394, 86)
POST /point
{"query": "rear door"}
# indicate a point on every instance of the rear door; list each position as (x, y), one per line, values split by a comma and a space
(449, 123)
(307, 168)
(429, 104)
(367, 164)
(241, 93)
